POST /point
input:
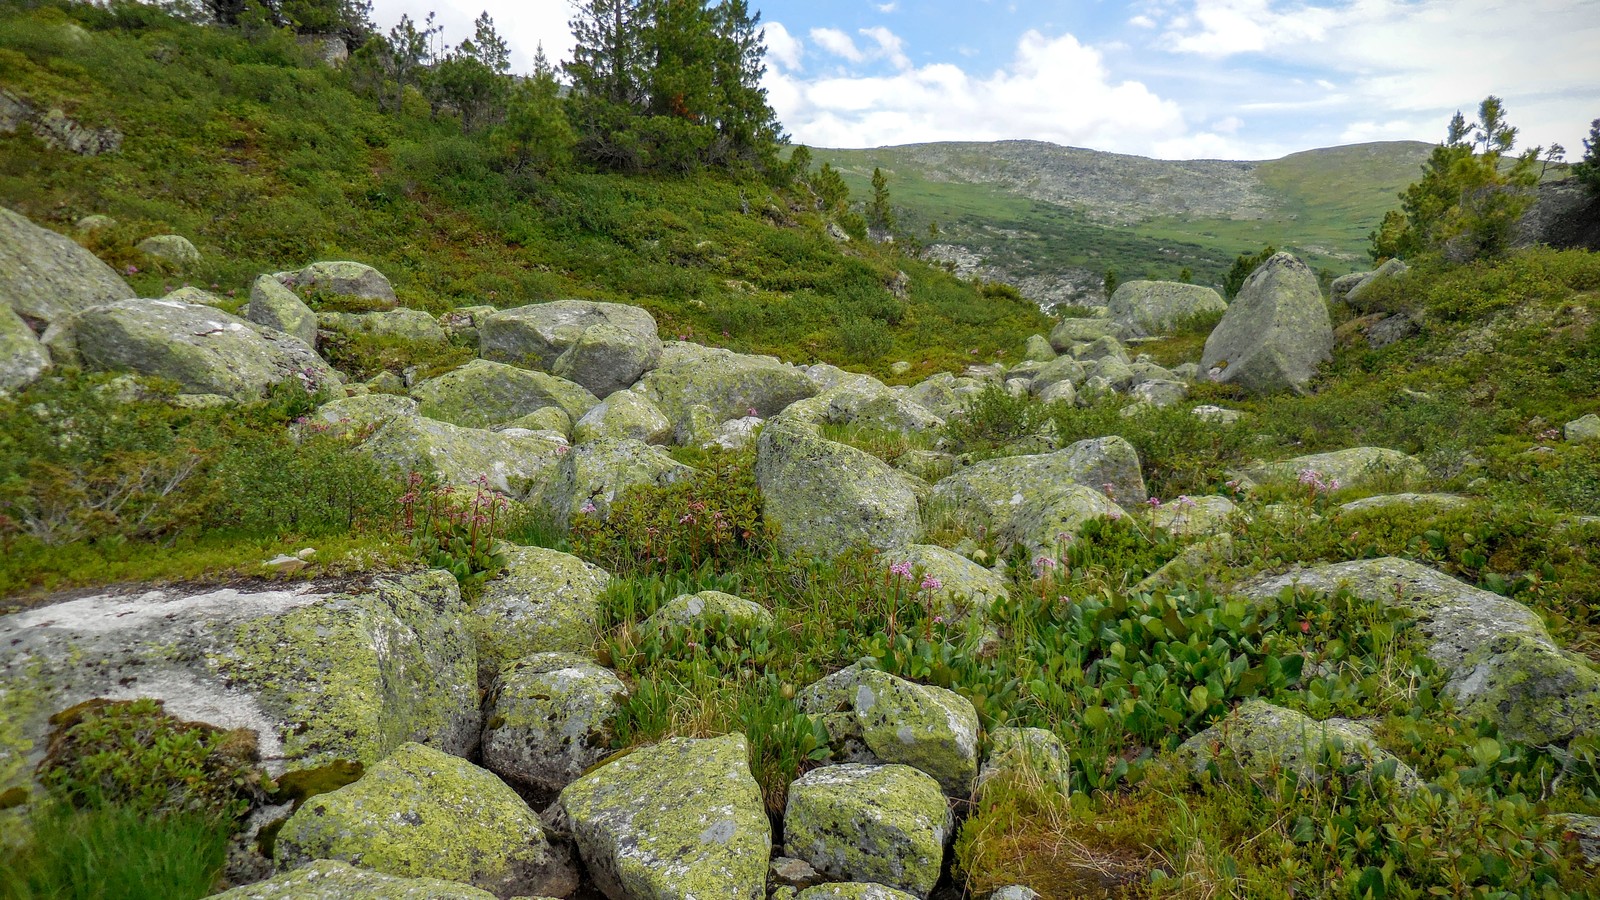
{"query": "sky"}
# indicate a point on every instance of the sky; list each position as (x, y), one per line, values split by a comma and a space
(1171, 79)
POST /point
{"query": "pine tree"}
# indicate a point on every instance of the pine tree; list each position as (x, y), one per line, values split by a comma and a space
(471, 79)
(879, 215)
(1588, 169)
(536, 135)
(608, 62)
(747, 123)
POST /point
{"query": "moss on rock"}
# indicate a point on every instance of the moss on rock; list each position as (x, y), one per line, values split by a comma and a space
(482, 394)
(420, 813)
(329, 879)
(680, 819)
(1262, 739)
(694, 610)
(544, 601)
(826, 497)
(547, 719)
(881, 824)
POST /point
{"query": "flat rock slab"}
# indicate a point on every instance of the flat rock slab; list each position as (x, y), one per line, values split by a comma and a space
(328, 879)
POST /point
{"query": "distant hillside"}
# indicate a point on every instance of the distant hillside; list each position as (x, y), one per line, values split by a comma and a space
(1053, 219)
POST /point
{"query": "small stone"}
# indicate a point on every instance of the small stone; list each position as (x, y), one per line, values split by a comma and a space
(882, 824)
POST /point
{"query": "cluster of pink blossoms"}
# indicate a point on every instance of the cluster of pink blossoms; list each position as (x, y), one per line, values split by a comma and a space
(1314, 480)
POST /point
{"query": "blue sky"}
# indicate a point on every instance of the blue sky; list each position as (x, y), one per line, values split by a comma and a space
(1230, 79)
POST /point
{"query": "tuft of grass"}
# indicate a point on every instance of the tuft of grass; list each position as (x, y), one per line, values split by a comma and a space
(116, 852)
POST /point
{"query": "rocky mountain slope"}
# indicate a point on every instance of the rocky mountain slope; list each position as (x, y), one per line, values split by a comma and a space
(1053, 219)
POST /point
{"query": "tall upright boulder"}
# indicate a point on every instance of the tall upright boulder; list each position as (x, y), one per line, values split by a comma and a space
(275, 306)
(45, 276)
(1276, 332)
(22, 358)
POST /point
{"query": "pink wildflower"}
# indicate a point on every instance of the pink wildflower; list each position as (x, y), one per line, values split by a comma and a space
(930, 583)
(1155, 502)
(587, 507)
(903, 569)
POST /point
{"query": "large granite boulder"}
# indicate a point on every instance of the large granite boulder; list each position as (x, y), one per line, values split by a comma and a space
(275, 306)
(322, 675)
(1070, 332)
(1582, 430)
(524, 466)
(1144, 308)
(683, 818)
(625, 415)
(1262, 740)
(728, 384)
(205, 350)
(1109, 465)
(399, 325)
(1356, 294)
(1350, 467)
(1500, 660)
(174, 249)
(329, 879)
(874, 717)
(420, 813)
(826, 497)
(881, 824)
(343, 278)
(1276, 332)
(544, 601)
(22, 358)
(45, 276)
(483, 394)
(547, 719)
(698, 610)
(943, 394)
(596, 474)
(867, 401)
(603, 346)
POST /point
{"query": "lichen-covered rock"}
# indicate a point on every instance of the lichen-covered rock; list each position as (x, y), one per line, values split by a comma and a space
(882, 824)
(729, 384)
(625, 415)
(175, 249)
(1038, 349)
(1262, 739)
(1275, 334)
(321, 676)
(1500, 660)
(345, 279)
(1216, 415)
(1159, 394)
(680, 819)
(1143, 308)
(328, 879)
(689, 610)
(521, 465)
(420, 813)
(603, 346)
(852, 890)
(928, 465)
(1351, 467)
(22, 358)
(547, 719)
(192, 294)
(1100, 350)
(275, 306)
(45, 276)
(1193, 516)
(872, 716)
(866, 401)
(1584, 831)
(544, 601)
(1385, 501)
(595, 474)
(483, 394)
(1063, 370)
(826, 497)
(1031, 499)
(1356, 294)
(411, 326)
(205, 350)
(944, 394)
(964, 586)
(463, 322)
(1032, 755)
(735, 434)
(1070, 332)
(1060, 392)
(553, 419)
(1582, 430)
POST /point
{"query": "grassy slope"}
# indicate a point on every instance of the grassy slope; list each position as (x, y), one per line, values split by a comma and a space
(268, 163)
(1327, 201)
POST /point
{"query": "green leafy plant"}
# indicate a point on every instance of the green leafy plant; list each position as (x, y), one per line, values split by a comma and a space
(456, 533)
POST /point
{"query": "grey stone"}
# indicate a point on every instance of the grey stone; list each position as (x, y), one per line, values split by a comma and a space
(22, 358)
(483, 394)
(885, 825)
(345, 279)
(171, 248)
(1582, 430)
(547, 719)
(275, 306)
(595, 475)
(327, 879)
(45, 276)
(730, 385)
(1143, 308)
(1275, 334)
(1263, 739)
(826, 497)
(603, 346)
(544, 601)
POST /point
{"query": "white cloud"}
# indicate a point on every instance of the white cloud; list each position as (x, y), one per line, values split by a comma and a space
(1419, 60)
(838, 43)
(890, 46)
(1391, 130)
(1054, 89)
(783, 48)
(1142, 21)
(886, 8)
(1227, 125)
